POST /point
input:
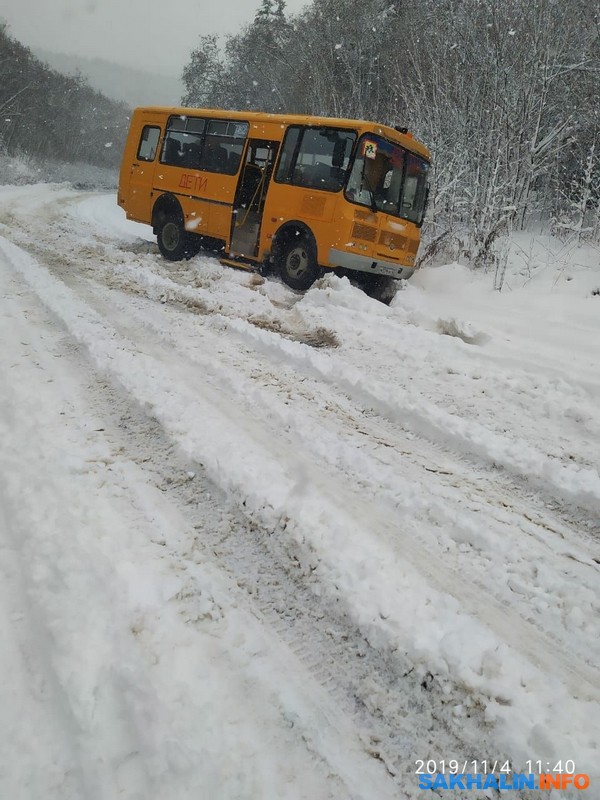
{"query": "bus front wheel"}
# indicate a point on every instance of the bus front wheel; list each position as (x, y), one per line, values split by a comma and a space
(173, 240)
(298, 265)
(379, 287)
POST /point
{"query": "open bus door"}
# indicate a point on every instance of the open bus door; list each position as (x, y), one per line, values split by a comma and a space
(250, 197)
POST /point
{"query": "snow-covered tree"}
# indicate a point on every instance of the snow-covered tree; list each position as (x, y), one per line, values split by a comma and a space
(204, 75)
(48, 115)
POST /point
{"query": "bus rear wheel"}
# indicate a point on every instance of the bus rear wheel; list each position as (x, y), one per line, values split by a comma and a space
(174, 242)
(298, 265)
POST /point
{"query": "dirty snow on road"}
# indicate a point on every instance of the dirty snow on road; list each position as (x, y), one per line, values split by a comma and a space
(258, 544)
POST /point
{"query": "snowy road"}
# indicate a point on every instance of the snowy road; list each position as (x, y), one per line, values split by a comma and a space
(263, 545)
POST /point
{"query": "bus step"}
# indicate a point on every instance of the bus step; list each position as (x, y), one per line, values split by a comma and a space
(238, 264)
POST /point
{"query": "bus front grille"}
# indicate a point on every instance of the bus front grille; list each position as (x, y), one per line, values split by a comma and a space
(365, 232)
(393, 240)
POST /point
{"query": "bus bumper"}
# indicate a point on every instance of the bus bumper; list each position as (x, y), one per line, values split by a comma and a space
(354, 261)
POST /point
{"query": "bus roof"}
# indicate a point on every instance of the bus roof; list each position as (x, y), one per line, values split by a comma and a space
(406, 140)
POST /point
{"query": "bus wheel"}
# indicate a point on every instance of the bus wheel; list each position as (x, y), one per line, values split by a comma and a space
(298, 265)
(173, 241)
(379, 287)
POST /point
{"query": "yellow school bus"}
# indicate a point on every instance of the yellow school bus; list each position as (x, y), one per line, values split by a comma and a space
(292, 193)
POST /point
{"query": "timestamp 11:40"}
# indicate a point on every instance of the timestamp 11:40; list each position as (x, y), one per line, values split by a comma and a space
(567, 766)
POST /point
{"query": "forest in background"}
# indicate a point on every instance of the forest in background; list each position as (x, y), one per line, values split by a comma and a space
(506, 94)
(50, 117)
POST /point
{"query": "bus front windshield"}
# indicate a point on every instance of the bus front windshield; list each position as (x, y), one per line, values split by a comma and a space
(388, 178)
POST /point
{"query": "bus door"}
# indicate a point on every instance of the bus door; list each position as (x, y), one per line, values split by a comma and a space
(250, 196)
(142, 169)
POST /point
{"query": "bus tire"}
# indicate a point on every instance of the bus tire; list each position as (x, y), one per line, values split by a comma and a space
(379, 287)
(174, 242)
(297, 262)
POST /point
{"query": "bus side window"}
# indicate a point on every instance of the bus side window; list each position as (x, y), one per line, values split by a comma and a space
(172, 151)
(316, 158)
(214, 157)
(223, 146)
(148, 143)
(191, 155)
(183, 140)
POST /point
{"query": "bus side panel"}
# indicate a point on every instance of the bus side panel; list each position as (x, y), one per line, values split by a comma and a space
(206, 198)
(317, 209)
(220, 220)
(129, 152)
(136, 177)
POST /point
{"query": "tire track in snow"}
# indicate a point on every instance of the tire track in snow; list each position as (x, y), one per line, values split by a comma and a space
(115, 355)
(278, 345)
(330, 439)
(578, 486)
(108, 716)
(389, 731)
(44, 718)
(38, 509)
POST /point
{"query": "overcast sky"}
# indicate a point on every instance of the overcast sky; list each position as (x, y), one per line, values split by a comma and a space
(150, 34)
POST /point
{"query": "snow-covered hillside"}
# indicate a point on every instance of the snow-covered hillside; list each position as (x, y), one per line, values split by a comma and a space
(263, 545)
